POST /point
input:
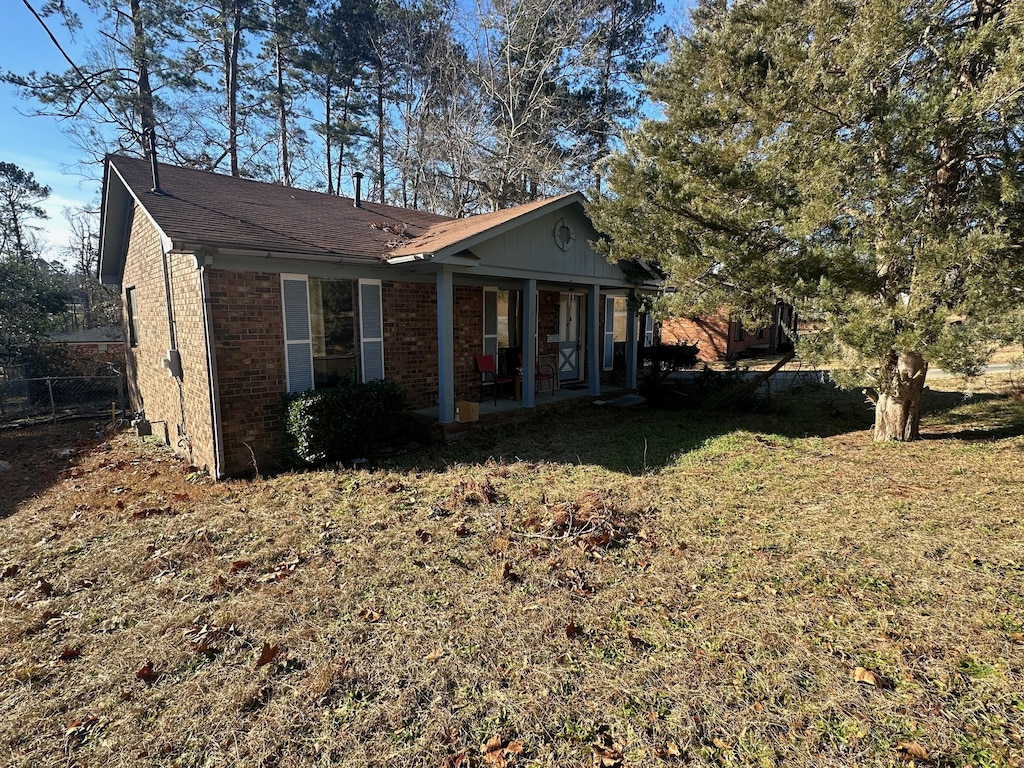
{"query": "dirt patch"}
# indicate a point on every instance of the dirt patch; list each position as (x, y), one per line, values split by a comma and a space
(35, 456)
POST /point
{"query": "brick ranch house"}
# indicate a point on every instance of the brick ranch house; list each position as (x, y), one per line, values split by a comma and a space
(237, 291)
(723, 337)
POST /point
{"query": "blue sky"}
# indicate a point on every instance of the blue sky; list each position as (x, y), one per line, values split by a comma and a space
(36, 144)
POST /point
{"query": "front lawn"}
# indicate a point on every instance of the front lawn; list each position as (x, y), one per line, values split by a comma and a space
(608, 587)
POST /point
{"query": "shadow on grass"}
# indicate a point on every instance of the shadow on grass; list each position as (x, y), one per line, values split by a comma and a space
(985, 416)
(35, 456)
(640, 439)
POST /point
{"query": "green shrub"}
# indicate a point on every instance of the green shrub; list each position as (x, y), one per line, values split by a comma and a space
(665, 358)
(345, 422)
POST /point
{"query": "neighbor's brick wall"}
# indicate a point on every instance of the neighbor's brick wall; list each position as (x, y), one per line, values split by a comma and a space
(184, 405)
(248, 332)
(710, 333)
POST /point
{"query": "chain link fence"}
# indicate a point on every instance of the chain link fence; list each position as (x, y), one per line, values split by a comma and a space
(59, 397)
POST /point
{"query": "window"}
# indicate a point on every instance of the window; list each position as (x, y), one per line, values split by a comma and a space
(333, 326)
(737, 330)
(615, 314)
(133, 316)
(503, 327)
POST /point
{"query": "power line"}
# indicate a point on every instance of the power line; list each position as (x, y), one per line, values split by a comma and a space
(81, 75)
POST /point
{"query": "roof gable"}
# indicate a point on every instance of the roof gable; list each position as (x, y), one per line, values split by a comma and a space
(204, 210)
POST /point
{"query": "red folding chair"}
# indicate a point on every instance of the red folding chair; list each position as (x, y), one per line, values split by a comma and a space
(489, 375)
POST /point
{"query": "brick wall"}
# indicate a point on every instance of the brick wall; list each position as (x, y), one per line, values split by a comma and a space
(710, 333)
(469, 340)
(248, 332)
(410, 339)
(184, 405)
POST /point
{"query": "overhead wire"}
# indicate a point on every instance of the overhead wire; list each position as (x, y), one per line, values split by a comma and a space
(81, 75)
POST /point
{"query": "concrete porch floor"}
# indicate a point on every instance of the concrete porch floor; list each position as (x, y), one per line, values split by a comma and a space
(507, 410)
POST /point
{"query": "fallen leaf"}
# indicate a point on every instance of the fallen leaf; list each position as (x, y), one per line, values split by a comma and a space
(267, 654)
(436, 654)
(462, 531)
(205, 638)
(669, 750)
(70, 654)
(500, 753)
(368, 615)
(147, 674)
(721, 744)
(44, 586)
(238, 565)
(867, 677)
(607, 756)
(425, 536)
(77, 730)
(911, 750)
(10, 572)
(572, 630)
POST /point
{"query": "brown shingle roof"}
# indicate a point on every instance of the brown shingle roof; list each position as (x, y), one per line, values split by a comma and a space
(200, 208)
(452, 231)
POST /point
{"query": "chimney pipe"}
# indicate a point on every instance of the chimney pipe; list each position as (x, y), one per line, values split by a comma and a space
(358, 201)
(149, 137)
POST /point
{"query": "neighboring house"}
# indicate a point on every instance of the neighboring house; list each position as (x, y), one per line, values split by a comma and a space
(237, 291)
(94, 350)
(722, 337)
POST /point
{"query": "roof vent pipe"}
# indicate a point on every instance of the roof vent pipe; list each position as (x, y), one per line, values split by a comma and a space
(358, 201)
(149, 137)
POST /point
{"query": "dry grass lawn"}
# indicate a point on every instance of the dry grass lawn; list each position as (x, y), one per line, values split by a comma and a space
(601, 588)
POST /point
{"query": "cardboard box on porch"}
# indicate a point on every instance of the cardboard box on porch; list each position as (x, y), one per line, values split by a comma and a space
(466, 410)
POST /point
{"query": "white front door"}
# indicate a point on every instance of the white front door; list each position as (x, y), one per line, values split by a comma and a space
(571, 317)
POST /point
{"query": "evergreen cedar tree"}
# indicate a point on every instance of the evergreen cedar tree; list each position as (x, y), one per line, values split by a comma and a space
(862, 160)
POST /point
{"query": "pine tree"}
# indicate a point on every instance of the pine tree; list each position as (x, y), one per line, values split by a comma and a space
(863, 160)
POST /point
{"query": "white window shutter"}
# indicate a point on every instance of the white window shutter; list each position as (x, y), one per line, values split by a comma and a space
(609, 332)
(371, 329)
(649, 331)
(298, 346)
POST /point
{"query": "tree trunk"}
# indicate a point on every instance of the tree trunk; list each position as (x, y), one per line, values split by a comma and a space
(140, 58)
(898, 404)
(282, 115)
(380, 130)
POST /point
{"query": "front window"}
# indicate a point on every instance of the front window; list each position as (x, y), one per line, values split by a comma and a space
(503, 327)
(333, 329)
(621, 315)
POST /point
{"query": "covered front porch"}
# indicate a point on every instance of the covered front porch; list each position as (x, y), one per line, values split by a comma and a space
(563, 301)
(507, 410)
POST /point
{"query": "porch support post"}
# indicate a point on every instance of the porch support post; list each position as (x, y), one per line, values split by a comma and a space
(631, 349)
(529, 342)
(593, 341)
(445, 348)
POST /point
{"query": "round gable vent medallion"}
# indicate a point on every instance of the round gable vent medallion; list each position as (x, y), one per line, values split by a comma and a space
(564, 236)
